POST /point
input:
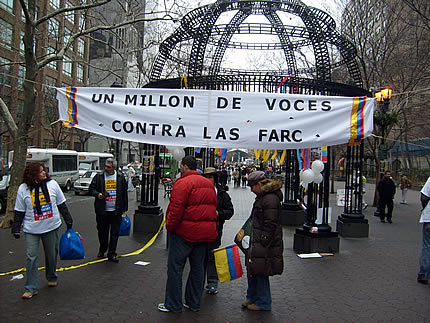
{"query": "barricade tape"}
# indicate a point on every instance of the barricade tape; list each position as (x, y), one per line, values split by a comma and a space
(134, 253)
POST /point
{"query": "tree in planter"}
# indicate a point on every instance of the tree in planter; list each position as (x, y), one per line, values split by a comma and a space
(34, 28)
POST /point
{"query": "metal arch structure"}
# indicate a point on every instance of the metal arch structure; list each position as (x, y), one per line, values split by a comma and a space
(200, 28)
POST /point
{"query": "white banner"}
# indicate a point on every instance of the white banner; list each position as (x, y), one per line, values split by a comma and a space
(200, 118)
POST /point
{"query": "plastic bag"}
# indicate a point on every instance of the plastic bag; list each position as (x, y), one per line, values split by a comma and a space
(124, 229)
(71, 246)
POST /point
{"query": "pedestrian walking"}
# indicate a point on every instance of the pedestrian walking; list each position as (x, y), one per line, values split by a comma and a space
(191, 224)
(405, 184)
(39, 203)
(424, 273)
(244, 174)
(236, 177)
(264, 256)
(387, 190)
(111, 201)
(224, 211)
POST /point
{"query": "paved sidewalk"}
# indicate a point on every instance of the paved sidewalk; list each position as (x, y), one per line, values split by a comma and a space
(370, 279)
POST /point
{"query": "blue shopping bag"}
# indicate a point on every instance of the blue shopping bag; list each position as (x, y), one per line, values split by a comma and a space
(124, 229)
(71, 246)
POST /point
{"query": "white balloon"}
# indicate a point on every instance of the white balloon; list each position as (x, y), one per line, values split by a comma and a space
(178, 153)
(308, 176)
(318, 178)
(317, 166)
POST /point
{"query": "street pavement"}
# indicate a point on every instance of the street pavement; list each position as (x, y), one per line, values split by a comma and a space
(370, 280)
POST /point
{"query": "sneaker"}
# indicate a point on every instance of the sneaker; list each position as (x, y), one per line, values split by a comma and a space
(28, 295)
(423, 281)
(191, 309)
(163, 308)
(365, 206)
(52, 284)
(212, 291)
(382, 220)
(389, 221)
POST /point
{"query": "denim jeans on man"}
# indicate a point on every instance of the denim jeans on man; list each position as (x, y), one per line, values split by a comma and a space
(259, 292)
(179, 251)
(424, 272)
(50, 246)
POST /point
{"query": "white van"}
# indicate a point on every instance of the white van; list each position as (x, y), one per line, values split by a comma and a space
(62, 165)
(92, 161)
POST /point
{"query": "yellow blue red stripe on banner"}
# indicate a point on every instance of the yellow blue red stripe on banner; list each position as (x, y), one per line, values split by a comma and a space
(357, 120)
(72, 109)
(134, 253)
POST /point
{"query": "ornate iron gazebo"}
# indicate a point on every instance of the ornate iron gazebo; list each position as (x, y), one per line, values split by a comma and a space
(197, 50)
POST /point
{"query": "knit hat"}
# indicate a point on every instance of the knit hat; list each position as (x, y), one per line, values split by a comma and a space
(255, 177)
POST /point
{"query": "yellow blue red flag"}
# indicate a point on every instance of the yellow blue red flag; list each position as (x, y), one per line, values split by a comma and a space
(227, 262)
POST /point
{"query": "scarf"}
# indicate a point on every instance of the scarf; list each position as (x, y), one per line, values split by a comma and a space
(45, 193)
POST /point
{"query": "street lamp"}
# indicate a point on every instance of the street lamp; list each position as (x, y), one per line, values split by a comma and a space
(382, 97)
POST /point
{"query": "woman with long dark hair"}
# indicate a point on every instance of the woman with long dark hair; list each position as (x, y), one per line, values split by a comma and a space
(38, 205)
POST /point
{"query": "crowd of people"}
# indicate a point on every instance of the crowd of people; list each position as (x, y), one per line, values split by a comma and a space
(198, 209)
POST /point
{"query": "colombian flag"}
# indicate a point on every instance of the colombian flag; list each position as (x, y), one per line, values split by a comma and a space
(227, 263)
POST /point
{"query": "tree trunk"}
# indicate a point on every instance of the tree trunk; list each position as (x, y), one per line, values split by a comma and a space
(20, 141)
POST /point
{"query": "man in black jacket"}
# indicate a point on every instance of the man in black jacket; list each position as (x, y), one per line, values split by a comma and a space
(111, 201)
(386, 190)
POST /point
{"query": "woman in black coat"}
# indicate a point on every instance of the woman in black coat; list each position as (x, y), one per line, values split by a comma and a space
(264, 256)
(224, 211)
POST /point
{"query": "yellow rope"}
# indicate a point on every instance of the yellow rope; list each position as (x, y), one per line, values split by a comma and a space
(134, 253)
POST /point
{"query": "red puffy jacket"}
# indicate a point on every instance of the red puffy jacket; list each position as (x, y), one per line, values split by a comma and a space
(192, 209)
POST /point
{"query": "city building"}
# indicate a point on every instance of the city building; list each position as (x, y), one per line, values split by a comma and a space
(45, 132)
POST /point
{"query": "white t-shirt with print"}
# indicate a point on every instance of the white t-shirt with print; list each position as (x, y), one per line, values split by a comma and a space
(50, 218)
(425, 214)
(110, 187)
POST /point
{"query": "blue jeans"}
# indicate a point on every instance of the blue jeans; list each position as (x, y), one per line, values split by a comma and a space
(259, 292)
(50, 247)
(424, 272)
(211, 273)
(179, 251)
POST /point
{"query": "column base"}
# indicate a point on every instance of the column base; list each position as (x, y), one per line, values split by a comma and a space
(292, 214)
(147, 219)
(352, 228)
(307, 242)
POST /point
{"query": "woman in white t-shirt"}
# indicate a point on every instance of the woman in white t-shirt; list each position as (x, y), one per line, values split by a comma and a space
(38, 205)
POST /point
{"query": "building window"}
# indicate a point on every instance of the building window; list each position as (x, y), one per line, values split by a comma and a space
(80, 73)
(82, 21)
(70, 16)
(54, 28)
(51, 51)
(5, 71)
(35, 13)
(55, 4)
(50, 83)
(7, 5)
(67, 35)
(19, 109)
(48, 144)
(6, 32)
(67, 66)
(21, 77)
(81, 47)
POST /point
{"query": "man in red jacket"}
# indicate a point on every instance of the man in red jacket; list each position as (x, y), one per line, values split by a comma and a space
(191, 224)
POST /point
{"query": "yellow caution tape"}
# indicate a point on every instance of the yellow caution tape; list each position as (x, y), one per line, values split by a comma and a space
(134, 253)
(281, 162)
(274, 155)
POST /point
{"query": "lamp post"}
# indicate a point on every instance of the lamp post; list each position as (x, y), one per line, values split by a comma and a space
(383, 98)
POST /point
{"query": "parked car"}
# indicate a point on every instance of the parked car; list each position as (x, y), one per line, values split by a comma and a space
(83, 183)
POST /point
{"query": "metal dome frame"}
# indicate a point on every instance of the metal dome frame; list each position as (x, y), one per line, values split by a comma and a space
(201, 29)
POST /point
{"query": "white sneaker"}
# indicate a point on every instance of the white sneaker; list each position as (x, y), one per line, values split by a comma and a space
(163, 308)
